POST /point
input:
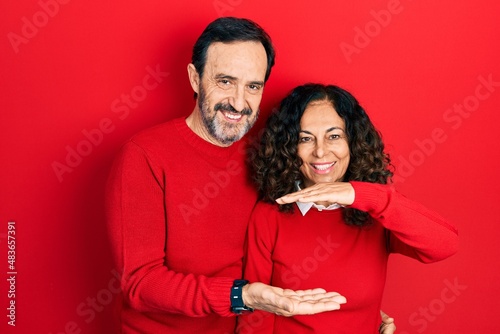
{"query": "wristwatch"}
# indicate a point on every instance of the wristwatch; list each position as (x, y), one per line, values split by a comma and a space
(237, 304)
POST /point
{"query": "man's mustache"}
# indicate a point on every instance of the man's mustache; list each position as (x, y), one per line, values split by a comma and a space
(228, 107)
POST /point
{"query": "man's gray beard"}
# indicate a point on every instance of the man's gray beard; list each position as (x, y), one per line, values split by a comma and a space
(220, 130)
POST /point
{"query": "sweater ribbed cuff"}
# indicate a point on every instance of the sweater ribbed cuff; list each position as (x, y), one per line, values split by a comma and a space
(371, 197)
(219, 295)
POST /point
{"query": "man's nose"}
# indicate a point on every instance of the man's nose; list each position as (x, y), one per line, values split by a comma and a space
(238, 99)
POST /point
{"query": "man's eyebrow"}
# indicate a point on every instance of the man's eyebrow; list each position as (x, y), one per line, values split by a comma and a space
(224, 76)
(230, 77)
(256, 82)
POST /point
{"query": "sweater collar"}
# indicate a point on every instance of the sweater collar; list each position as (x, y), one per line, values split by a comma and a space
(304, 207)
(202, 145)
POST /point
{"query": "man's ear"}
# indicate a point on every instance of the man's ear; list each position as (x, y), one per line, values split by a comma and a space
(194, 78)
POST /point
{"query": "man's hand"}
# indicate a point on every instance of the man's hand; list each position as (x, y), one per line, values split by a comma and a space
(288, 302)
(387, 326)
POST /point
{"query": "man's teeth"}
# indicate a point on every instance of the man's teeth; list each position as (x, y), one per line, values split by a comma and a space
(324, 167)
(232, 116)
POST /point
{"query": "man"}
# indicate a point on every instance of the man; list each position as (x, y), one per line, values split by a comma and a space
(179, 199)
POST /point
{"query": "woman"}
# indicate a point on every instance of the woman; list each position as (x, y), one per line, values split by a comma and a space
(327, 216)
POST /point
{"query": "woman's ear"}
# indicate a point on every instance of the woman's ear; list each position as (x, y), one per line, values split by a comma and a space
(194, 78)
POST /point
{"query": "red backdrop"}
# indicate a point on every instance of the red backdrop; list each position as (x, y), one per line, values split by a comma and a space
(80, 77)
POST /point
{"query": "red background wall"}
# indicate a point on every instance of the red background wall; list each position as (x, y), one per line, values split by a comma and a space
(76, 82)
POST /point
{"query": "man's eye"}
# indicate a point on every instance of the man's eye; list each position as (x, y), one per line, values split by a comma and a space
(224, 83)
(254, 89)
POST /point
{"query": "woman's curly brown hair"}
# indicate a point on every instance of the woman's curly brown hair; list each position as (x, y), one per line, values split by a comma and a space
(276, 166)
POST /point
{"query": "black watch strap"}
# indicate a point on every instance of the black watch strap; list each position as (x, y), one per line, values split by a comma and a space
(237, 304)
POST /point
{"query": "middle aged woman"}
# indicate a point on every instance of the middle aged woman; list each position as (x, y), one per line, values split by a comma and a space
(327, 215)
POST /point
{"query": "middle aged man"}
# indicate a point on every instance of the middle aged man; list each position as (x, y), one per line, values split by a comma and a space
(179, 199)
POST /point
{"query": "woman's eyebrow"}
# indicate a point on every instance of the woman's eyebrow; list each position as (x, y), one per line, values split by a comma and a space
(335, 128)
(327, 130)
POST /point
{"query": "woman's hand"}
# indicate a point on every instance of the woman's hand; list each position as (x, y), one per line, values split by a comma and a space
(341, 193)
(387, 326)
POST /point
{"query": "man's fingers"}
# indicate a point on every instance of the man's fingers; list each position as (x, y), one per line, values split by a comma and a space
(320, 298)
(310, 303)
(288, 292)
(288, 302)
(313, 294)
(337, 299)
(313, 307)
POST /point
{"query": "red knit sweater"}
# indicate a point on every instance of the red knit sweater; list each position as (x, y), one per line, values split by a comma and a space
(320, 250)
(178, 209)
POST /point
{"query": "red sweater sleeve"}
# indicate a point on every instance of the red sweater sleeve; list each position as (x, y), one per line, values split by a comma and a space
(136, 223)
(414, 230)
(259, 267)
